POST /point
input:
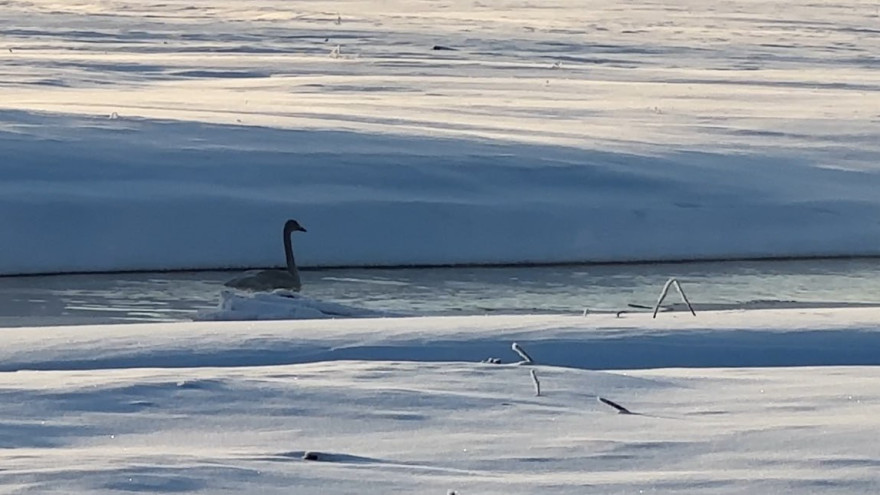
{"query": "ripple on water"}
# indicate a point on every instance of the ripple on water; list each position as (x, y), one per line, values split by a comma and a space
(144, 297)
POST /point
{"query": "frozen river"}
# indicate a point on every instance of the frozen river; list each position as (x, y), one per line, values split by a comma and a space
(145, 297)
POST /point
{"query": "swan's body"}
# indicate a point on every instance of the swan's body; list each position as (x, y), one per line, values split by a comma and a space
(267, 280)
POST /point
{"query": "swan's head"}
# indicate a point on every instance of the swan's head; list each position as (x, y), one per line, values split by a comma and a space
(293, 225)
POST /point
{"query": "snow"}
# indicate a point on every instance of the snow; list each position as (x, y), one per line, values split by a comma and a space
(154, 136)
(404, 405)
(166, 136)
(760, 338)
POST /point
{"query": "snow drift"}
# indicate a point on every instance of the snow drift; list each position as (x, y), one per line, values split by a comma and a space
(166, 137)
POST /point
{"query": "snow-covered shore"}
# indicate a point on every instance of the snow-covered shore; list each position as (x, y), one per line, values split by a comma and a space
(404, 405)
(783, 337)
(148, 136)
(167, 137)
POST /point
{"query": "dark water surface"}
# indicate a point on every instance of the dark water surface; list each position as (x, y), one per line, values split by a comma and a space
(145, 297)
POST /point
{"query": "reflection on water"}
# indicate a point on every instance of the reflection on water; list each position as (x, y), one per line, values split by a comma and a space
(138, 297)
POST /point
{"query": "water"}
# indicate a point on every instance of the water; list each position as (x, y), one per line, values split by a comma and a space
(145, 297)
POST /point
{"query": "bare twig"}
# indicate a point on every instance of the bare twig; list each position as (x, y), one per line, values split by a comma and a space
(681, 293)
(522, 353)
(662, 296)
(537, 383)
(665, 291)
(615, 405)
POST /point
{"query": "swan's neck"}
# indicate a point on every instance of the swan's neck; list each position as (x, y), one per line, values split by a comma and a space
(288, 255)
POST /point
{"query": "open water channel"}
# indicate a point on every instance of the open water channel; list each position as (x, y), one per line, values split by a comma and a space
(569, 289)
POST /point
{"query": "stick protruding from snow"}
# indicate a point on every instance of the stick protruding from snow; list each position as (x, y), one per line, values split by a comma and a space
(536, 382)
(522, 353)
(615, 405)
(669, 283)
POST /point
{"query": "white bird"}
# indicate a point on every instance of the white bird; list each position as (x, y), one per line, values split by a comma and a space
(268, 280)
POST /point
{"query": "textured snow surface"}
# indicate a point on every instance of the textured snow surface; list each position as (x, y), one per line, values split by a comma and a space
(143, 136)
(170, 135)
(403, 405)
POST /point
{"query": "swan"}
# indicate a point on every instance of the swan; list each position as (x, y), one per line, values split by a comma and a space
(268, 280)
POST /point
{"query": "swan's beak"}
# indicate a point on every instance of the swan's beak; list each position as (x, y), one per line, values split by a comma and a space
(302, 229)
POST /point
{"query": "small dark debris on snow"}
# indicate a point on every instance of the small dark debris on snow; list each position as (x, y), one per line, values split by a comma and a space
(311, 456)
(441, 47)
(609, 402)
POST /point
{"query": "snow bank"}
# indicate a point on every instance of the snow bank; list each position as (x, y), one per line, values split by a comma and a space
(143, 198)
(783, 337)
(404, 427)
(563, 133)
(403, 405)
